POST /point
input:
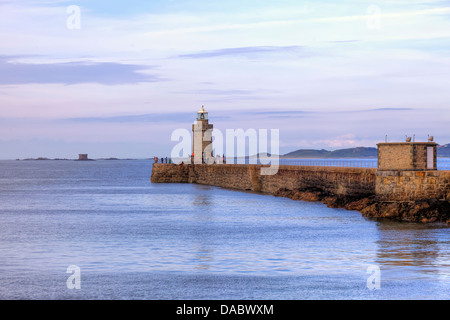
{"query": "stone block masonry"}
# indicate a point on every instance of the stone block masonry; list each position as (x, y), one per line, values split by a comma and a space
(399, 185)
(420, 196)
(169, 173)
(407, 156)
(354, 182)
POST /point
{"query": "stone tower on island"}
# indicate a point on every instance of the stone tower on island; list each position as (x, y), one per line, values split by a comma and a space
(83, 157)
(202, 138)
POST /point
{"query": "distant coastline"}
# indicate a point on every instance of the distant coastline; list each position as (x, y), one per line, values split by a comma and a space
(350, 153)
(443, 151)
(65, 159)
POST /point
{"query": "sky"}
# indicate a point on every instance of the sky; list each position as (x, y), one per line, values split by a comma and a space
(116, 78)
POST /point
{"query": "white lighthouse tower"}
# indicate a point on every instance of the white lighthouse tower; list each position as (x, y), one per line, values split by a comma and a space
(202, 138)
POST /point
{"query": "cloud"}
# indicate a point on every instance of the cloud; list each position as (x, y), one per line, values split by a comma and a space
(247, 52)
(108, 73)
(391, 109)
(150, 117)
(340, 141)
(224, 92)
(344, 41)
(289, 112)
(175, 117)
(279, 114)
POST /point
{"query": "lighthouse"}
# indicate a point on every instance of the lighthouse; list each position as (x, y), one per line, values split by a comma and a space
(202, 138)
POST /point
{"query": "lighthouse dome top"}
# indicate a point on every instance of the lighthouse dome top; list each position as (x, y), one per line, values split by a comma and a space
(202, 114)
(202, 110)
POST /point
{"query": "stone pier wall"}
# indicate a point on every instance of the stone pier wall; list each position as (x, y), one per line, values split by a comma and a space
(354, 182)
(170, 173)
(400, 185)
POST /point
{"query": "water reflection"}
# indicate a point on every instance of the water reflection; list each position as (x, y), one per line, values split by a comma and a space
(203, 198)
(414, 245)
(203, 258)
(203, 219)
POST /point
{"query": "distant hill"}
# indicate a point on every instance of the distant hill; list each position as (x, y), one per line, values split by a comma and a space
(306, 153)
(443, 151)
(359, 152)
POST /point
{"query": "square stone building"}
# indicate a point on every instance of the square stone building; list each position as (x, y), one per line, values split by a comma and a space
(83, 157)
(414, 156)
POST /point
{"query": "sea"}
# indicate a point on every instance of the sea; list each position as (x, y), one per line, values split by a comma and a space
(100, 230)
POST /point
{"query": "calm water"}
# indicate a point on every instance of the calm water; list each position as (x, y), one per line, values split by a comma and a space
(135, 240)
